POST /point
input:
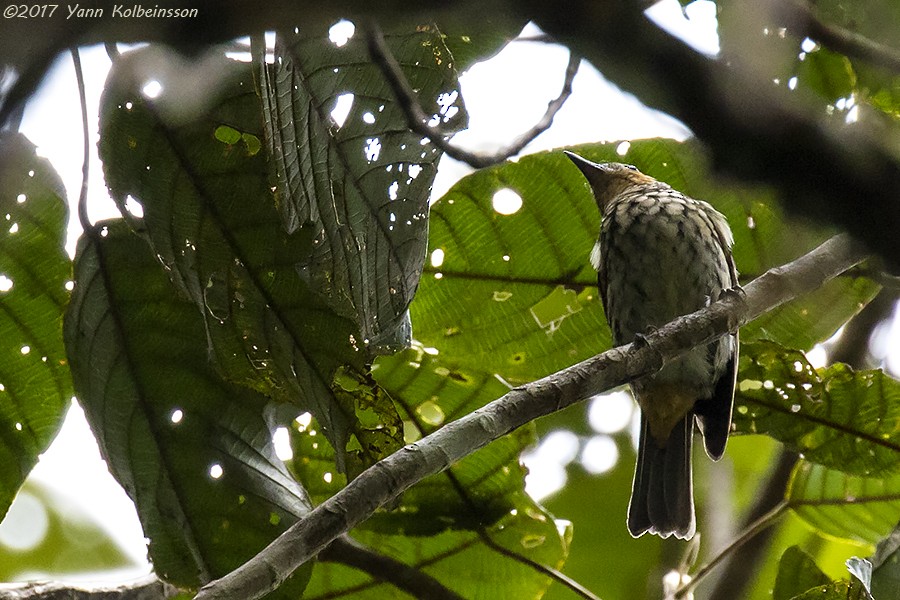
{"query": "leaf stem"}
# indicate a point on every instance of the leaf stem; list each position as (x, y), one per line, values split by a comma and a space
(85, 165)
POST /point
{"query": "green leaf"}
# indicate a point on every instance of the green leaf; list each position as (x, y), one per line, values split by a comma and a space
(480, 39)
(843, 419)
(361, 184)
(797, 573)
(514, 293)
(865, 509)
(460, 560)
(190, 449)
(436, 522)
(827, 73)
(814, 317)
(210, 215)
(839, 590)
(35, 386)
(886, 574)
(478, 490)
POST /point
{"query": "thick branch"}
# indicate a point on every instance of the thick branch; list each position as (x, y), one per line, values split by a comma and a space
(347, 551)
(149, 588)
(389, 478)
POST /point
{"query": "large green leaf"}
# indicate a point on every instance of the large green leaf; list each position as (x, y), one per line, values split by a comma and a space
(35, 386)
(844, 419)
(838, 590)
(797, 573)
(864, 509)
(190, 449)
(483, 492)
(430, 392)
(886, 563)
(210, 214)
(361, 182)
(514, 294)
(461, 560)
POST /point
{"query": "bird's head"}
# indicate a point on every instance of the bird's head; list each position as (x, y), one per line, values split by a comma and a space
(608, 180)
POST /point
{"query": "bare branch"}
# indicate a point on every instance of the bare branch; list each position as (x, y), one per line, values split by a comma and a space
(764, 522)
(417, 120)
(733, 582)
(390, 477)
(148, 588)
(413, 581)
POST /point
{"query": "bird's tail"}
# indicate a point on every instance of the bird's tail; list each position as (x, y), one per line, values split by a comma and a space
(662, 495)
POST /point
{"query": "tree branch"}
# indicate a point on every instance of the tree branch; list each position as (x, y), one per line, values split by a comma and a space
(388, 478)
(148, 588)
(734, 581)
(347, 551)
(806, 23)
(417, 120)
(749, 533)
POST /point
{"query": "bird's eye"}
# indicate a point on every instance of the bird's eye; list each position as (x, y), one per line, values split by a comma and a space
(631, 167)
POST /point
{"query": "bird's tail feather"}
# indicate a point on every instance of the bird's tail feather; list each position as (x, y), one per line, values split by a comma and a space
(662, 496)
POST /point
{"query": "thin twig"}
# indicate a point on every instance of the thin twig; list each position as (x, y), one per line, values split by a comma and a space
(749, 533)
(417, 120)
(733, 581)
(85, 165)
(387, 479)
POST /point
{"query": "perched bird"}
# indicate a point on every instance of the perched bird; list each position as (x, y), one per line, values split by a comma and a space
(661, 255)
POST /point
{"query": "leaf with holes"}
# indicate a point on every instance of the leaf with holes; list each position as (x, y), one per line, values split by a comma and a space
(348, 168)
(35, 386)
(865, 509)
(455, 525)
(843, 419)
(510, 289)
(210, 215)
(191, 450)
(478, 490)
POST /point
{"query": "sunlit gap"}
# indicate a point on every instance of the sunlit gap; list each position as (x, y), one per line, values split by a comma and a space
(694, 24)
(608, 414)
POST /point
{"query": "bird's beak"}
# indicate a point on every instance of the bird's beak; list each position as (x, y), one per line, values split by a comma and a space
(598, 176)
(583, 164)
(593, 172)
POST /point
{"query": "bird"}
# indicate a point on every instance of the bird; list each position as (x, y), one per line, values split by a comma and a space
(660, 255)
